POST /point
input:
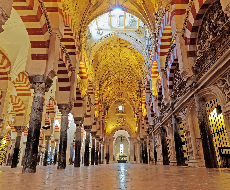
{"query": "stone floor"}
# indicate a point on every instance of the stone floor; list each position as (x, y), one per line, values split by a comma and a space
(115, 176)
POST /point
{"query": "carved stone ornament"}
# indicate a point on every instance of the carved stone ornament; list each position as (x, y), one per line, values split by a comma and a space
(224, 85)
(179, 85)
(5, 10)
(213, 38)
(19, 130)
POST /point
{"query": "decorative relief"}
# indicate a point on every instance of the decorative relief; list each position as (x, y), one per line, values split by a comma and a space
(213, 38)
(224, 85)
(179, 86)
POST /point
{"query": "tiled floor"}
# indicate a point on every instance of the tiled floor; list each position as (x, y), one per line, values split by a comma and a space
(115, 176)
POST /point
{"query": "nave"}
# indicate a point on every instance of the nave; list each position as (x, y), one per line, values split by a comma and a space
(90, 86)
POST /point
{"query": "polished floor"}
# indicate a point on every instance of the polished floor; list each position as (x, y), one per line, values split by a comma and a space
(115, 176)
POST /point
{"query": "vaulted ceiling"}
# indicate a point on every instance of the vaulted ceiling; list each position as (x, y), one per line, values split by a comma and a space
(119, 72)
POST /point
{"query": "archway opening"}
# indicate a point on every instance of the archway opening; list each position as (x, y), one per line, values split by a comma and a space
(219, 133)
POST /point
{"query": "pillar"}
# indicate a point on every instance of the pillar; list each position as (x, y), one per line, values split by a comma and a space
(164, 147)
(138, 151)
(56, 151)
(64, 109)
(205, 133)
(39, 154)
(46, 150)
(145, 152)
(131, 140)
(111, 160)
(77, 161)
(87, 141)
(178, 143)
(19, 130)
(93, 148)
(155, 151)
(100, 152)
(40, 84)
(97, 150)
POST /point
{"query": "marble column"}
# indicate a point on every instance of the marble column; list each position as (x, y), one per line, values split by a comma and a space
(56, 151)
(96, 153)
(155, 151)
(205, 133)
(87, 141)
(65, 110)
(46, 150)
(93, 148)
(39, 154)
(100, 152)
(111, 160)
(138, 151)
(131, 140)
(19, 130)
(178, 143)
(77, 161)
(145, 152)
(40, 84)
(164, 147)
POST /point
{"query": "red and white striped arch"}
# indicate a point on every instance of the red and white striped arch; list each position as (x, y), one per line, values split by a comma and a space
(18, 106)
(5, 66)
(35, 23)
(22, 84)
(197, 12)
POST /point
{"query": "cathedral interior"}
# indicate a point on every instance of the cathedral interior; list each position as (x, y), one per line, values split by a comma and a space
(114, 94)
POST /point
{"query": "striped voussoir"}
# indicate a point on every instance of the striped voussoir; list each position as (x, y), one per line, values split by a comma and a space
(171, 75)
(63, 78)
(78, 103)
(58, 115)
(197, 12)
(51, 106)
(159, 96)
(90, 88)
(11, 124)
(47, 120)
(56, 129)
(165, 44)
(35, 23)
(26, 131)
(18, 106)
(5, 66)
(147, 87)
(22, 84)
(69, 43)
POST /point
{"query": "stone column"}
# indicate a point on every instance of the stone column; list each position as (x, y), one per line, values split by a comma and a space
(164, 147)
(39, 154)
(131, 140)
(111, 161)
(100, 152)
(93, 148)
(19, 130)
(97, 150)
(46, 150)
(77, 161)
(155, 151)
(145, 152)
(40, 84)
(205, 133)
(64, 109)
(56, 151)
(138, 151)
(87, 141)
(178, 143)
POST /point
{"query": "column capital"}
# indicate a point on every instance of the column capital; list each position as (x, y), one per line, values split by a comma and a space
(64, 109)
(47, 137)
(40, 84)
(19, 130)
(93, 134)
(78, 121)
(87, 128)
